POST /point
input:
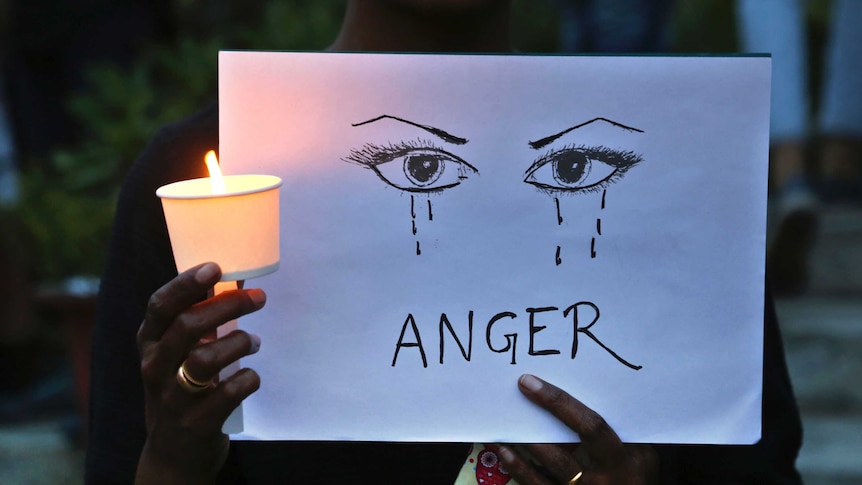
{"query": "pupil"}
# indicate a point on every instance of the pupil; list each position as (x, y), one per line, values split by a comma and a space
(572, 168)
(423, 169)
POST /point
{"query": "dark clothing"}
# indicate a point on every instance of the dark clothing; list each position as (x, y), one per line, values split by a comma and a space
(140, 261)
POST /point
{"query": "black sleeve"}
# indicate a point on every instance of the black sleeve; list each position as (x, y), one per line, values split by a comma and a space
(139, 262)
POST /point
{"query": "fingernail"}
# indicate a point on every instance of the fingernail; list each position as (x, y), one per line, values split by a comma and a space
(505, 453)
(530, 383)
(206, 273)
(257, 296)
(255, 343)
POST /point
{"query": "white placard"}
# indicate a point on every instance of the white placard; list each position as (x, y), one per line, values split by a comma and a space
(599, 221)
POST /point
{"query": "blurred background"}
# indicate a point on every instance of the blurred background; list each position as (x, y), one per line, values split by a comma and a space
(85, 83)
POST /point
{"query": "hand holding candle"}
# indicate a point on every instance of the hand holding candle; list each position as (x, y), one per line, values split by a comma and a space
(186, 441)
(230, 220)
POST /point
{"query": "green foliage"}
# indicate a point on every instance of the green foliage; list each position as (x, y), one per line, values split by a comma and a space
(295, 25)
(68, 201)
(68, 227)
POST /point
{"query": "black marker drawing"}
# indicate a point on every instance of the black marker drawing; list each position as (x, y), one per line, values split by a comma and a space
(535, 145)
(456, 140)
(508, 321)
(559, 217)
(421, 168)
(598, 226)
(557, 258)
(414, 166)
(413, 222)
(586, 331)
(579, 169)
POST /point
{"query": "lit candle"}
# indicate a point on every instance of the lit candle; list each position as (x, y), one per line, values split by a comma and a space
(231, 220)
(216, 178)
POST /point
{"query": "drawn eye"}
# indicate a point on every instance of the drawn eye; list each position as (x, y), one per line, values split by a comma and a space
(580, 169)
(415, 166)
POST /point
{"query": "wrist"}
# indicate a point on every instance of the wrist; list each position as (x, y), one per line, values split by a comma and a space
(155, 470)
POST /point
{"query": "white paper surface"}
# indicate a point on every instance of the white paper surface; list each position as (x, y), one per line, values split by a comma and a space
(673, 213)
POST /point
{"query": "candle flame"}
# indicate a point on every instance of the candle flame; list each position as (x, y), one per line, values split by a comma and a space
(216, 178)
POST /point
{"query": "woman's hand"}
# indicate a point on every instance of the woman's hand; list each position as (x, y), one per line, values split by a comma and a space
(601, 458)
(185, 443)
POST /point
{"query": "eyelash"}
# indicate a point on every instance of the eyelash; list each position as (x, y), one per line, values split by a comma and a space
(371, 155)
(615, 158)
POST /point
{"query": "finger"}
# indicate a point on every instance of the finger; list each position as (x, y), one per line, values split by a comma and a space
(592, 428)
(219, 288)
(203, 414)
(229, 394)
(559, 461)
(520, 469)
(204, 362)
(204, 318)
(160, 361)
(209, 336)
(177, 295)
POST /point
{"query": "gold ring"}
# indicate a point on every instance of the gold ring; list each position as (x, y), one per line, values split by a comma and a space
(574, 479)
(188, 383)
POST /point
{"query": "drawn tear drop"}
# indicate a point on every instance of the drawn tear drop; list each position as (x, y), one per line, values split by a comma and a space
(598, 226)
(559, 217)
(593, 248)
(604, 193)
(558, 256)
(430, 214)
(413, 222)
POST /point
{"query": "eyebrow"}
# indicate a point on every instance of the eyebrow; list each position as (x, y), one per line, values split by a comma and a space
(447, 137)
(535, 145)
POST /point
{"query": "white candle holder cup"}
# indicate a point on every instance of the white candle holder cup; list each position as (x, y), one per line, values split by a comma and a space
(238, 230)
